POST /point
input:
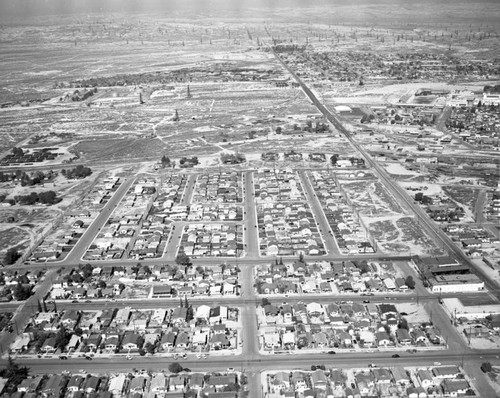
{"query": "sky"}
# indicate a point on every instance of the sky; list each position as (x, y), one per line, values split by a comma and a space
(25, 9)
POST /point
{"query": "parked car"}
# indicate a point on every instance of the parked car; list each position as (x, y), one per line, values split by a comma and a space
(395, 355)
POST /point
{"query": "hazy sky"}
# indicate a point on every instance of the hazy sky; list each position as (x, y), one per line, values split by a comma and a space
(23, 9)
(29, 8)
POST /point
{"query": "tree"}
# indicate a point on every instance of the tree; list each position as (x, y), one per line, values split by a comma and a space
(410, 282)
(62, 338)
(11, 256)
(182, 258)
(165, 161)
(486, 367)
(334, 158)
(101, 284)
(265, 302)
(175, 367)
(48, 197)
(22, 292)
(403, 324)
(14, 375)
(150, 348)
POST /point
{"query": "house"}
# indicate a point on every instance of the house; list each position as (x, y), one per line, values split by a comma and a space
(177, 382)
(400, 375)
(182, 340)
(196, 381)
(111, 343)
(21, 343)
(130, 341)
(280, 381)
(70, 319)
(49, 345)
(318, 379)
(91, 384)
(425, 378)
(219, 342)
(219, 382)
(168, 340)
(116, 384)
(54, 386)
(30, 385)
(158, 383)
(382, 375)
(137, 384)
(383, 338)
(93, 341)
(298, 380)
(75, 383)
(218, 314)
(403, 336)
(388, 310)
(455, 387)
(446, 372)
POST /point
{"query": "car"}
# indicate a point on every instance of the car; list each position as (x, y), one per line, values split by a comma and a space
(88, 358)
(88, 301)
(395, 355)
(437, 363)
(412, 351)
(63, 357)
(129, 357)
(82, 371)
(331, 352)
(315, 367)
(184, 356)
(372, 365)
(366, 301)
(230, 369)
(75, 301)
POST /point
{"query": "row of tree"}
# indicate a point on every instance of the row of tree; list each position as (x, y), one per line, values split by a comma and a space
(46, 198)
(78, 172)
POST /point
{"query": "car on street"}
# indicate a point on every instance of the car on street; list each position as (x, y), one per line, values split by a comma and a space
(395, 355)
(331, 352)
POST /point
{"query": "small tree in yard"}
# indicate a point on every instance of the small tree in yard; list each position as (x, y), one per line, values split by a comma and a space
(175, 367)
(410, 282)
(182, 258)
(486, 367)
